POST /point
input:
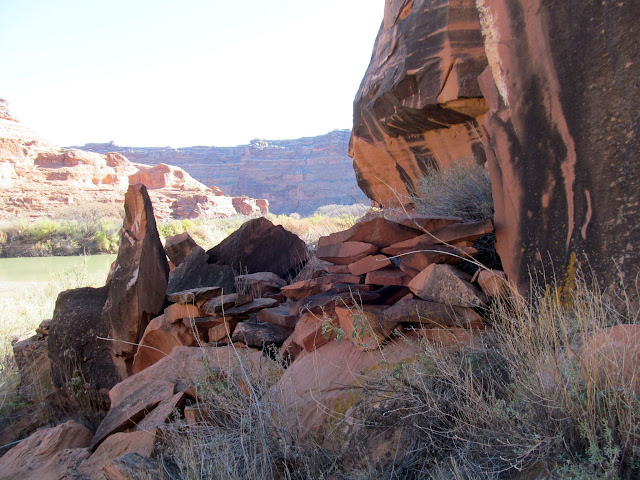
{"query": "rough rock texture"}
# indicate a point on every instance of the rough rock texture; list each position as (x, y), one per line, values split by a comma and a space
(447, 285)
(38, 179)
(45, 454)
(159, 338)
(32, 358)
(563, 135)
(72, 341)
(185, 367)
(129, 410)
(139, 283)
(260, 246)
(316, 385)
(277, 170)
(195, 273)
(419, 104)
(178, 247)
(611, 358)
(115, 446)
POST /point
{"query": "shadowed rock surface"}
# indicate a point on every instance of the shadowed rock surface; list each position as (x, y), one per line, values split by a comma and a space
(563, 135)
(260, 246)
(72, 342)
(139, 283)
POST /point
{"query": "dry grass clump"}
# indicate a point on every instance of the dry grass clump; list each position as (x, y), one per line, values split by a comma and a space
(523, 401)
(242, 432)
(463, 189)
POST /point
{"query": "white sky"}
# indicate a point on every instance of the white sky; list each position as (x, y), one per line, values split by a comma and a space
(184, 72)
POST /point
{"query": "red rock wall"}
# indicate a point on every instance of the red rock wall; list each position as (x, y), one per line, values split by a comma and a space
(562, 134)
(419, 103)
(293, 175)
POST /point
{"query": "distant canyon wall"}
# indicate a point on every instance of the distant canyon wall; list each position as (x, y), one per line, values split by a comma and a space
(293, 175)
(555, 113)
(38, 179)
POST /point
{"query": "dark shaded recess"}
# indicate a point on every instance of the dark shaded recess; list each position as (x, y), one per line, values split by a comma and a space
(409, 121)
(406, 179)
(487, 255)
(425, 161)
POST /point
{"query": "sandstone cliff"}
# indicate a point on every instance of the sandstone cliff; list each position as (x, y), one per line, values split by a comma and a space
(419, 104)
(294, 175)
(562, 135)
(39, 179)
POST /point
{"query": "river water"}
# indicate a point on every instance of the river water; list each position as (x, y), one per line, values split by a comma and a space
(20, 274)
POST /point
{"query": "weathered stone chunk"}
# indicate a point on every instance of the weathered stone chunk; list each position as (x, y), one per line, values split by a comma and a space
(305, 288)
(132, 408)
(252, 307)
(195, 273)
(345, 253)
(308, 333)
(178, 247)
(221, 304)
(195, 295)
(139, 282)
(424, 222)
(32, 358)
(432, 314)
(448, 337)
(260, 246)
(159, 338)
(41, 455)
(445, 284)
(177, 311)
(222, 331)
(115, 446)
(260, 284)
(388, 276)
(378, 231)
(365, 326)
(493, 283)
(258, 334)
(73, 339)
(164, 412)
(278, 316)
(369, 264)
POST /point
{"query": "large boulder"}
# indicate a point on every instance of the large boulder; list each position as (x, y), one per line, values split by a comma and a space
(260, 246)
(419, 104)
(51, 453)
(322, 385)
(195, 273)
(73, 344)
(562, 135)
(139, 282)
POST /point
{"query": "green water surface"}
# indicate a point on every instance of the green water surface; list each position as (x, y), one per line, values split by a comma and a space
(17, 274)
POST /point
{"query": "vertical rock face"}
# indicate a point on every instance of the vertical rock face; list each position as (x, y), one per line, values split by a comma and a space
(139, 282)
(562, 133)
(419, 104)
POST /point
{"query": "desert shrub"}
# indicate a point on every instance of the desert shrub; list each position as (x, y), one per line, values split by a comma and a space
(242, 433)
(524, 399)
(44, 237)
(463, 189)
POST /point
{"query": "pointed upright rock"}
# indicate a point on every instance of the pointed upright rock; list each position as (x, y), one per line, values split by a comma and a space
(139, 282)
